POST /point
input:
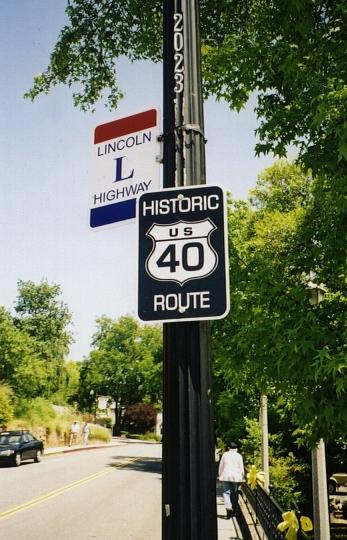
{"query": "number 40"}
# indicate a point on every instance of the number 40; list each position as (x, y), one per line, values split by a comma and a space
(192, 257)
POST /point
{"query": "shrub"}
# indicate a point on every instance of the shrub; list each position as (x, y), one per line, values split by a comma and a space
(6, 406)
(140, 417)
(285, 468)
(35, 411)
(143, 436)
(284, 473)
(100, 433)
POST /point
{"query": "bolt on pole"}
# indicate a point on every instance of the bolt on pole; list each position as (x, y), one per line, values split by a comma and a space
(189, 479)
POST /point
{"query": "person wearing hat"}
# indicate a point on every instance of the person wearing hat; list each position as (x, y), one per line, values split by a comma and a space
(231, 473)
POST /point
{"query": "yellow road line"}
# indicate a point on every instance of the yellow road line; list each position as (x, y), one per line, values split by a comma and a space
(64, 489)
(52, 494)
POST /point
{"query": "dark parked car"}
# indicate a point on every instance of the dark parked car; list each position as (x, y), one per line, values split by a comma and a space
(17, 446)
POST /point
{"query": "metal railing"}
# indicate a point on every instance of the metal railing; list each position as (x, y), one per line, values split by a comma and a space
(267, 512)
(264, 515)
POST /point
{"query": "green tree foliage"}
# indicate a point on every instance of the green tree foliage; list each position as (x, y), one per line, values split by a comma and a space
(125, 364)
(69, 377)
(6, 405)
(44, 318)
(290, 53)
(20, 365)
(98, 33)
(34, 342)
(285, 470)
(273, 338)
(152, 356)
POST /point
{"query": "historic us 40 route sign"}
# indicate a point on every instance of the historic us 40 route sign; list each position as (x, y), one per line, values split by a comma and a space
(183, 263)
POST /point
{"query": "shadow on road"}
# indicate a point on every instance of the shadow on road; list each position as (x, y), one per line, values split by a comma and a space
(143, 464)
(12, 465)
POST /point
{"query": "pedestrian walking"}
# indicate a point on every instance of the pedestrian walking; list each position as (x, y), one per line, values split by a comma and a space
(231, 472)
(75, 429)
(85, 432)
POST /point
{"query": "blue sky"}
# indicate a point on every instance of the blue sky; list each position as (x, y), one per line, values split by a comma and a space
(45, 153)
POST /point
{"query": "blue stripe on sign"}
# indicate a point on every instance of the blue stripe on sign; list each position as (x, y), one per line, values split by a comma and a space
(104, 215)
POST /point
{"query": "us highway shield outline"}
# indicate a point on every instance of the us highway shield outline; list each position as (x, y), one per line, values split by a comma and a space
(191, 240)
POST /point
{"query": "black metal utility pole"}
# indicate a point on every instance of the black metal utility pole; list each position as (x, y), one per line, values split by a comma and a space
(189, 493)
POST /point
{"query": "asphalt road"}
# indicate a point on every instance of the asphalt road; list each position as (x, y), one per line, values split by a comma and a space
(105, 494)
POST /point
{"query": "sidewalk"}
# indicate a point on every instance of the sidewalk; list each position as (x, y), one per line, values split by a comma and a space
(78, 447)
(228, 529)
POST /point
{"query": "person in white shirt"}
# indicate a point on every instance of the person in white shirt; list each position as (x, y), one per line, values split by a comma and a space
(231, 473)
(85, 431)
(75, 429)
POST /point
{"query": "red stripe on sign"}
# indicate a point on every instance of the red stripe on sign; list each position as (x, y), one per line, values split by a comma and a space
(130, 124)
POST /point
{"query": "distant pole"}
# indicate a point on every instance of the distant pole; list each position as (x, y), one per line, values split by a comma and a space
(264, 441)
(321, 521)
(94, 398)
(189, 480)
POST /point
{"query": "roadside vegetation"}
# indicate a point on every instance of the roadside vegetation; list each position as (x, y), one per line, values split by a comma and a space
(275, 341)
(125, 363)
(52, 424)
(287, 238)
(42, 391)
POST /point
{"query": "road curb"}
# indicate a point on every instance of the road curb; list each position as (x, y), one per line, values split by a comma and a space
(64, 450)
(68, 449)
